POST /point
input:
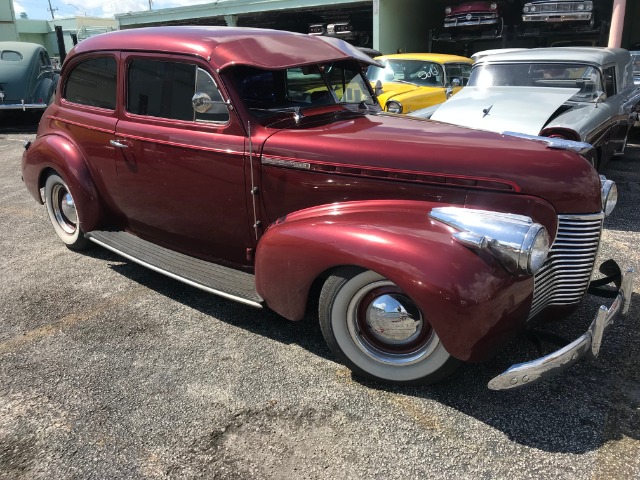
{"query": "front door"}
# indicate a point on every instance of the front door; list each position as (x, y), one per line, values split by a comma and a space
(181, 172)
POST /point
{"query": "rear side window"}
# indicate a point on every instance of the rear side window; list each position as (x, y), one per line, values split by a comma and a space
(10, 56)
(165, 89)
(93, 82)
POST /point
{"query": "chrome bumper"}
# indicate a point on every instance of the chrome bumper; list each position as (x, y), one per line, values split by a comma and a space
(588, 344)
(556, 17)
(23, 106)
(470, 23)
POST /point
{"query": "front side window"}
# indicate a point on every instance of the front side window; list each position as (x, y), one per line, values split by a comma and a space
(461, 71)
(610, 81)
(165, 89)
(93, 82)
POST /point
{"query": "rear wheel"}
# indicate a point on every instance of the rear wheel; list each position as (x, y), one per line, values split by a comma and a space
(378, 331)
(63, 213)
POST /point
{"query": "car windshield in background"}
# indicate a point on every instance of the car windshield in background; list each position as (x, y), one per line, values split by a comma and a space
(584, 77)
(418, 72)
(271, 91)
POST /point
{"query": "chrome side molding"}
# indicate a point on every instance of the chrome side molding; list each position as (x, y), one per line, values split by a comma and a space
(556, 143)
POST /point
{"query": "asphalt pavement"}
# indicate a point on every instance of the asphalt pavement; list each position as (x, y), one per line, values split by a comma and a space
(109, 371)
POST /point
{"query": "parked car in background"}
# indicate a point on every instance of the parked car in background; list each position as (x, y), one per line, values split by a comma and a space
(587, 14)
(410, 81)
(257, 165)
(477, 18)
(576, 93)
(27, 79)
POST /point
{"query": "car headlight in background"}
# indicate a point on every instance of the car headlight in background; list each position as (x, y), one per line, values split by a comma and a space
(526, 9)
(394, 107)
(447, 10)
(516, 241)
(588, 6)
(580, 6)
(609, 195)
(493, 6)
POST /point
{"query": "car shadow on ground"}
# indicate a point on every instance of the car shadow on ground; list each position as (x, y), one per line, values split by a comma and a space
(19, 122)
(578, 411)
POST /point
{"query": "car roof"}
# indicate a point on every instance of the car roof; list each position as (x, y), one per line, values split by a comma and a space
(26, 49)
(429, 57)
(597, 55)
(226, 46)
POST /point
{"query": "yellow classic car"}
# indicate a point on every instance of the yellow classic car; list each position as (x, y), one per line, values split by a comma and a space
(411, 81)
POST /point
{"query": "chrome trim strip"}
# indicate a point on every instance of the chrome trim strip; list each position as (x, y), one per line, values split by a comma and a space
(177, 277)
(279, 162)
(555, 143)
(23, 106)
(528, 373)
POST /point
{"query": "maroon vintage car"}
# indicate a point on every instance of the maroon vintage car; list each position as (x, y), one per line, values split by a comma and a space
(484, 18)
(257, 165)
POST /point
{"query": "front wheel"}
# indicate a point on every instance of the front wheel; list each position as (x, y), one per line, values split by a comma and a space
(63, 213)
(376, 330)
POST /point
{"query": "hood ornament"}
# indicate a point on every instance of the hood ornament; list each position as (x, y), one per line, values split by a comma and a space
(486, 111)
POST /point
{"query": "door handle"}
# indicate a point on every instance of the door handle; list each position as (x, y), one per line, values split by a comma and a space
(118, 144)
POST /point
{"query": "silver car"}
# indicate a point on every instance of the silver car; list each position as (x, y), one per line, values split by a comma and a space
(584, 94)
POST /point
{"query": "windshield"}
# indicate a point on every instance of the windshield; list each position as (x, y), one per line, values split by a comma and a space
(266, 92)
(557, 75)
(417, 72)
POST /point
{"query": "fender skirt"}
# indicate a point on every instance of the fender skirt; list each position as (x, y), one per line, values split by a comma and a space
(472, 302)
(58, 153)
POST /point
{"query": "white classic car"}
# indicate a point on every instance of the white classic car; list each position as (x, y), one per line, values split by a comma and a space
(584, 94)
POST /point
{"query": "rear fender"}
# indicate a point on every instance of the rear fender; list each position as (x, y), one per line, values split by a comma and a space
(53, 152)
(471, 301)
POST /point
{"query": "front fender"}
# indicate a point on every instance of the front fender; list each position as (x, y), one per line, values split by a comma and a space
(470, 300)
(59, 154)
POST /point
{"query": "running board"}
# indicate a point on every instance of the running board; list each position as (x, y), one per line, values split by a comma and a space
(212, 278)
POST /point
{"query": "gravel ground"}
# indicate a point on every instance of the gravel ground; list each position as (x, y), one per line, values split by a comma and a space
(108, 370)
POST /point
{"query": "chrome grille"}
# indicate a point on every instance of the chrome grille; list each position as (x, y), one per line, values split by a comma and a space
(558, 7)
(565, 276)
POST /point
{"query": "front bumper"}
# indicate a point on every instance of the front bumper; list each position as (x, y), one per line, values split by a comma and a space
(470, 23)
(557, 17)
(588, 344)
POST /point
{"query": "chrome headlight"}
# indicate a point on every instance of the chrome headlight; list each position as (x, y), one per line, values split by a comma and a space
(516, 241)
(580, 6)
(447, 10)
(526, 9)
(532, 8)
(394, 107)
(493, 6)
(588, 6)
(609, 194)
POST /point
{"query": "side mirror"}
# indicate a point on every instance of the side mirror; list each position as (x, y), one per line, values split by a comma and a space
(202, 102)
(600, 97)
(378, 88)
(449, 91)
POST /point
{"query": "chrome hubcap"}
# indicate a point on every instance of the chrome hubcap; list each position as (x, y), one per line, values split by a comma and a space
(64, 209)
(387, 326)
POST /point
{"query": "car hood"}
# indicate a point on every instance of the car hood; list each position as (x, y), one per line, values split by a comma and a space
(502, 109)
(403, 145)
(393, 89)
(471, 7)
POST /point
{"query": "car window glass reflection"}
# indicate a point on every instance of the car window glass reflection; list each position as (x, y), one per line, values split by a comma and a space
(557, 75)
(93, 83)
(269, 91)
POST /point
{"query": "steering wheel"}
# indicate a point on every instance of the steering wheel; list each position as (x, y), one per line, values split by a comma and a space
(422, 75)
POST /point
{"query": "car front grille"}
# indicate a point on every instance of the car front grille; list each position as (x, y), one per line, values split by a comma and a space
(558, 7)
(565, 276)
